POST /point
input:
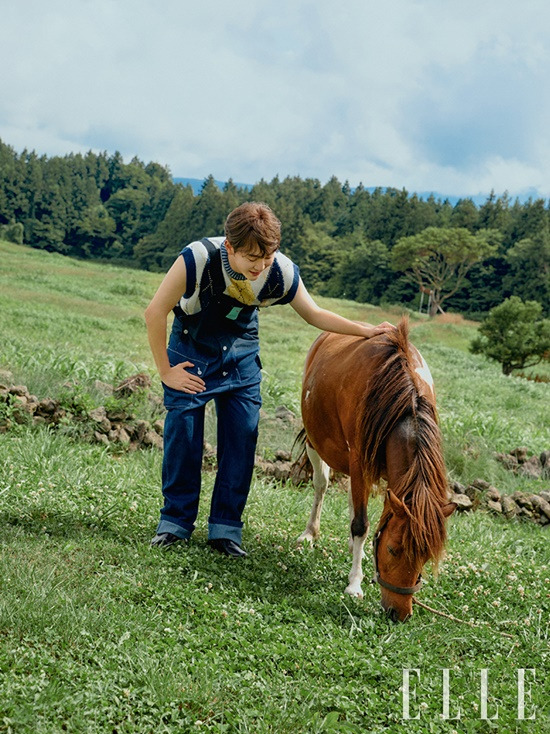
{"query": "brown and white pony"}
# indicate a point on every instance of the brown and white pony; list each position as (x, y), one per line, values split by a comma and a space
(368, 408)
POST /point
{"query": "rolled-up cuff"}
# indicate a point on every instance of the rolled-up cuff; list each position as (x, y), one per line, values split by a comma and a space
(229, 532)
(165, 526)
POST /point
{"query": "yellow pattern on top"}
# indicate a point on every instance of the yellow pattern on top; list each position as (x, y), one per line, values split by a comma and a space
(241, 291)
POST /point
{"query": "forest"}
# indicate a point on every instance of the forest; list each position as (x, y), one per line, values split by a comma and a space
(349, 242)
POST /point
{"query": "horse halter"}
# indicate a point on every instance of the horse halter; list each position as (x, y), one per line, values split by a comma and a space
(377, 579)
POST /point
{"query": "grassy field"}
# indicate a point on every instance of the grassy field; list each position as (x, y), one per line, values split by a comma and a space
(99, 633)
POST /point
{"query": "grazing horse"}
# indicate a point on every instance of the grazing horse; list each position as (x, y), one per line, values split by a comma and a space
(368, 408)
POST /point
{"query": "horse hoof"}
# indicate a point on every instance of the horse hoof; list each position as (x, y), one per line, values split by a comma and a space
(355, 591)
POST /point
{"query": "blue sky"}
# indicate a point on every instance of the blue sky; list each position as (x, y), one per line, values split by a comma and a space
(421, 94)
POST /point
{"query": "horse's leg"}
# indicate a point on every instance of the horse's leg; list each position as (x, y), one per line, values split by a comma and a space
(321, 472)
(351, 516)
(359, 528)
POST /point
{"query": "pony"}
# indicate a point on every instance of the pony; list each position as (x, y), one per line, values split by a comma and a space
(369, 411)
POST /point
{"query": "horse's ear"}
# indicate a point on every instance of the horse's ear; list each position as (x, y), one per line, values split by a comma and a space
(449, 509)
(397, 506)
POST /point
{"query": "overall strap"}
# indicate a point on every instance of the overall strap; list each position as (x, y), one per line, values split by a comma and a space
(212, 282)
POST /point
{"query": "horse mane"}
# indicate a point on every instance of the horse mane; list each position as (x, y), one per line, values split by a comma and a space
(393, 396)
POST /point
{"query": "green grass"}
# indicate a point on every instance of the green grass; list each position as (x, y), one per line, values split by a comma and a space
(99, 633)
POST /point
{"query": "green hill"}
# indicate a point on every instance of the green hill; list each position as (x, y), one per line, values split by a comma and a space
(98, 633)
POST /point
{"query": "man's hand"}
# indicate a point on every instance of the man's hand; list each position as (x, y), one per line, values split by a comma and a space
(178, 378)
(382, 328)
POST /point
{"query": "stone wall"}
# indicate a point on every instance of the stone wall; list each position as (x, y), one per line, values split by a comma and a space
(117, 428)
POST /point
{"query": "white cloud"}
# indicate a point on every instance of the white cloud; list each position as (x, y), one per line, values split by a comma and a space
(407, 93)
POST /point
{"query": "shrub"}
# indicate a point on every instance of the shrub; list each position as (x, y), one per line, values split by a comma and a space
(514, 334)
(12, 233)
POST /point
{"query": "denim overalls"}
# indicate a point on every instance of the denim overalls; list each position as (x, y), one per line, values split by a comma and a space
(222, 343)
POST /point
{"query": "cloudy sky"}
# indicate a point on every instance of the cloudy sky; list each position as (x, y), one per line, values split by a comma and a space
(430, 95)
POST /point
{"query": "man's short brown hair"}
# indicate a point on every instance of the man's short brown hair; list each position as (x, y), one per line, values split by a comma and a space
(253, 224)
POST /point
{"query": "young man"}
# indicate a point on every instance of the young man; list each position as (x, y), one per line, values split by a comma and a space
(215, 289)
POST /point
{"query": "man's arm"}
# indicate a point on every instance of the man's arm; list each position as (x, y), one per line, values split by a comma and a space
(305, 306)
(156, 317)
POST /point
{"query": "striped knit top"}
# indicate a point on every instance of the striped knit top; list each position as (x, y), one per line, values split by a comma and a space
(276, 285)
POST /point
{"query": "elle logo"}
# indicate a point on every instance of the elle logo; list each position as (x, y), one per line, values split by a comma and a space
(409, 697)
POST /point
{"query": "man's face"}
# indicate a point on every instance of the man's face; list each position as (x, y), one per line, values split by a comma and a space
(250, 263)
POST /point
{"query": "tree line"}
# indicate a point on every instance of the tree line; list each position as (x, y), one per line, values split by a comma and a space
(373, 246)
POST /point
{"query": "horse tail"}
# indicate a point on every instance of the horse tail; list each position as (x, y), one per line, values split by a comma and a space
(301, 466)
(300, 443)
(393, 397)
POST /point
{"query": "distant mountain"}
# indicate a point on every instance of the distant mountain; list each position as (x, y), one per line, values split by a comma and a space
(197, 184)
(478, 199)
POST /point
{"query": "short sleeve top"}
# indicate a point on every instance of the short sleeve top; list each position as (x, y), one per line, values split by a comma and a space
(276, 285)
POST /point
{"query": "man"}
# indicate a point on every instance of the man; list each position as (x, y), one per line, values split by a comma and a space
(215, 289)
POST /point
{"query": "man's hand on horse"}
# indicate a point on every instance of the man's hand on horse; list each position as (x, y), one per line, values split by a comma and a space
(382, 328)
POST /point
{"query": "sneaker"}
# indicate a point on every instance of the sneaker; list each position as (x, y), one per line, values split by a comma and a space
(165, 540)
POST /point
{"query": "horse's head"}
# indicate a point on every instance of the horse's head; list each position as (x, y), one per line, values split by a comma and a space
(399, 558)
